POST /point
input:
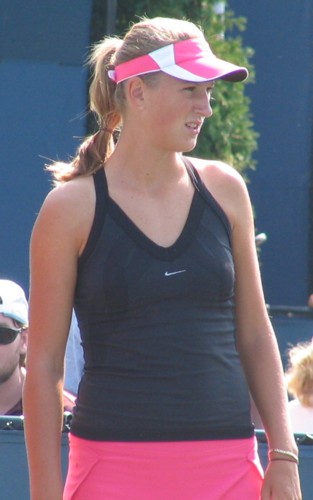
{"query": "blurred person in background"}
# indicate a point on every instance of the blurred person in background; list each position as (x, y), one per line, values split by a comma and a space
(13, 349)
(13, 345)
(74, 358)
(299, 376)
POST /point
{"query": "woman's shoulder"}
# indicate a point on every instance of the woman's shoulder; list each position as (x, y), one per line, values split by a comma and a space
(70, 198)
(226, 185)
(216, 171)
(68, 209)
(69, 191)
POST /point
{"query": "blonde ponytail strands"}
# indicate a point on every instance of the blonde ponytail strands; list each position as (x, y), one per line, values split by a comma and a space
(96, 148)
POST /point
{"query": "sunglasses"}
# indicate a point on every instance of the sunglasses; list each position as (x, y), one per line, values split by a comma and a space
(8, 335)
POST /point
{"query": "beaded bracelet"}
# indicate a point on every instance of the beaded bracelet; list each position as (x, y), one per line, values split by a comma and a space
(292, 457)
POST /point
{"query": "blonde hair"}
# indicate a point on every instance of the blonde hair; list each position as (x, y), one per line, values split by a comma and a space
(299, 374)
(106, 98)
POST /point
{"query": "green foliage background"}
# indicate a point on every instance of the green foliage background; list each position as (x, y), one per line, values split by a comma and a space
(229, 135)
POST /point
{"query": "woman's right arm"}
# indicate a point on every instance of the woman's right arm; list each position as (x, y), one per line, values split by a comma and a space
(58, 238)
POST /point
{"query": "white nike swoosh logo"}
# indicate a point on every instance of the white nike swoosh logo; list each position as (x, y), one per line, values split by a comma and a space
(174, 272)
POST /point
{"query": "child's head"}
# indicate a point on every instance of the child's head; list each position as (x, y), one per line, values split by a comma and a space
(299, 374)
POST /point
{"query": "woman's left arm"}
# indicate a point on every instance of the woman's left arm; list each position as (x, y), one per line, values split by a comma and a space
(258, 349)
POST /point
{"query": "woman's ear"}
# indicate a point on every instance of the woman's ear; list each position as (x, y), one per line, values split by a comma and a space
(136, 93)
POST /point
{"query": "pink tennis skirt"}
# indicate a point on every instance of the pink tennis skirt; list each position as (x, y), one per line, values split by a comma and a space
(184, 470)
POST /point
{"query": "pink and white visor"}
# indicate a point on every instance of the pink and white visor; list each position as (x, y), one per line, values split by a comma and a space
(191, 60)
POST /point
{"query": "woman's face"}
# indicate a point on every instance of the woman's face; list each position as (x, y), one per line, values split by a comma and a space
(175, 111)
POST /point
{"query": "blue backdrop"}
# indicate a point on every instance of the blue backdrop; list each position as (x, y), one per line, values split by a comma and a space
(43, 95)
(281, 33)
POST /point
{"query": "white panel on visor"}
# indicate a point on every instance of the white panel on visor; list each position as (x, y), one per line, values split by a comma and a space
(164, 57)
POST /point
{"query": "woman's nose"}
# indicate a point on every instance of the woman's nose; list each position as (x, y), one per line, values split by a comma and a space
(203, 106)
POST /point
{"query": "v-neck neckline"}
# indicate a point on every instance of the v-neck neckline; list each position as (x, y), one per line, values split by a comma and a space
(172, 251)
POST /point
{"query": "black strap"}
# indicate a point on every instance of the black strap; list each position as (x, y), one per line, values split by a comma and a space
(101, 190)
(205, 193)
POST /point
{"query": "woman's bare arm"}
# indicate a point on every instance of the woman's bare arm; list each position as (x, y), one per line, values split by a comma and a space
(58, 237)
(256, 340)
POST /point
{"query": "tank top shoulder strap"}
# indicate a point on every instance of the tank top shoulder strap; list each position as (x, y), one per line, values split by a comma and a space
(206, 195)
(101, 191)
(101, 186)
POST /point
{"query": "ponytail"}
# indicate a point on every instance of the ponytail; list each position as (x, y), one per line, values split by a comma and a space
(97, 148)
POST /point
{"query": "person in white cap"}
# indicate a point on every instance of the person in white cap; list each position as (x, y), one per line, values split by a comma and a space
(13, 345)
(13, 350)
(156, 252)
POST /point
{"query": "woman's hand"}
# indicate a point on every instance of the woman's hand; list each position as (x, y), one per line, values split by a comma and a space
(281, 481)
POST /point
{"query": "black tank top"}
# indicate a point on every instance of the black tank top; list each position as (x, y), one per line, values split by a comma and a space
(158, 330)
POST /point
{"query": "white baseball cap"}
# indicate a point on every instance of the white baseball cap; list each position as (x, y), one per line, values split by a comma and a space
(13, 303)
